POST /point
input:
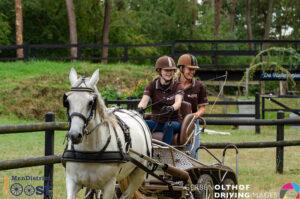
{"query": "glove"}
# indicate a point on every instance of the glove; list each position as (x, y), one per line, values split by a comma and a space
(140, 110)
(167, 109)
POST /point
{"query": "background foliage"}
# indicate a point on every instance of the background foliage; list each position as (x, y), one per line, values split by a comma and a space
(145, 21)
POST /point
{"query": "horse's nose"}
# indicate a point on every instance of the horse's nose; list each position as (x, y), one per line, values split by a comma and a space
(75, 137)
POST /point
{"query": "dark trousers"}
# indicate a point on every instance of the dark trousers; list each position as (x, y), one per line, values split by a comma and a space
(168, 128)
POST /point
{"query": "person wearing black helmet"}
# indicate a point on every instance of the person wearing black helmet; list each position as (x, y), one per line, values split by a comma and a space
(194, 90)
(166, 96)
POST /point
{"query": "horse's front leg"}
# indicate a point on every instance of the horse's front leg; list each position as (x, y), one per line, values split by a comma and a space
(109, 189)
(72, 188)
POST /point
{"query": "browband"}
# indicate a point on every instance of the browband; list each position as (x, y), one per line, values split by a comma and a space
(82, 89)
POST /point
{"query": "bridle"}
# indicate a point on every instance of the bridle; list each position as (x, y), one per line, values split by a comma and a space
(85, 119)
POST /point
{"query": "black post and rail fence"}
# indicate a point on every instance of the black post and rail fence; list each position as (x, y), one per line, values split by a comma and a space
(49, 150)
(274, 99)
(132, 104)
(210, 48)
(50, 126)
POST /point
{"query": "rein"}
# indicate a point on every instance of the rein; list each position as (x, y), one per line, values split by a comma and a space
(221, 90)
(167, 98)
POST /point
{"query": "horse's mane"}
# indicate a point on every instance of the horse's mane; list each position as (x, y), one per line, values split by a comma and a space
(102, 110)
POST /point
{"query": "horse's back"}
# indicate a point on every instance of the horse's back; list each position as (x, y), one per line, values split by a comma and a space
(139, 131)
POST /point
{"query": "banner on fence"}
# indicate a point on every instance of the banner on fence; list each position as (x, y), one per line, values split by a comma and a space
(276, 76)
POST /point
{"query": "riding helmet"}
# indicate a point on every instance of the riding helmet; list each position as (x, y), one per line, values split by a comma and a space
(187, 60)
(165, 62)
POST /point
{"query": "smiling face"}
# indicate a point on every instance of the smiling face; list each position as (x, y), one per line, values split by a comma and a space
(167, 74)
(188, 72)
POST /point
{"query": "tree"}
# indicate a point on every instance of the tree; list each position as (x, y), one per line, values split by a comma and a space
(5, 30)
(218, 7)
(194, 16)
(105, 30)
(248, 22)
(232, 14)
(72, 28)
(268, 19)
(19, 28)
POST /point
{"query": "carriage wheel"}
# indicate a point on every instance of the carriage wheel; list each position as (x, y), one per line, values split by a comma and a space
(205, 185)
(229, 189)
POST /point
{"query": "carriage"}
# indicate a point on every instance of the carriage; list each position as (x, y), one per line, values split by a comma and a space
(108, 146)
(173, 173)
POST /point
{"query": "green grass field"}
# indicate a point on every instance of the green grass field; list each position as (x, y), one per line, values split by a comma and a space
(256, 166)
(31, 89)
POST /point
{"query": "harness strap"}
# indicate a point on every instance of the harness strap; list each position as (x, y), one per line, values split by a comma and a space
(126, 132)
(121, 152)
(72, 155)
(150, 171)
(93, 157)
(120, 110)
(81, 116)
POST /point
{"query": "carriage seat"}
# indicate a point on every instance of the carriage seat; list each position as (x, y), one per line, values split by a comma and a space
(187, 128)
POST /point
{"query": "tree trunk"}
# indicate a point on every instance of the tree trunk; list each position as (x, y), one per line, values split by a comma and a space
(232, 14)
(218, 6)
(267, 33)
(194, 17)
(19, 28)
(268, 20)
(283, 87)
(72, 28)
(248, 23)
(105, 31)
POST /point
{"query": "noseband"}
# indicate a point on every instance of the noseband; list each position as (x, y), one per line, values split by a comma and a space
(85, 119)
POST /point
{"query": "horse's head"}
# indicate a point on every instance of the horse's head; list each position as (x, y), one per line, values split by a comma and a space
(81, 104)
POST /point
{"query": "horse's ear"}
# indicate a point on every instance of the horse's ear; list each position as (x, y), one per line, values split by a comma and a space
(73, 76)
(94, 79)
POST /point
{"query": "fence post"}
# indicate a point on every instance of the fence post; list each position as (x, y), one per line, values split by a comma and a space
(173, 50)
(214, 48)
(26, 51)
(257, 112)
(280, 150)
(78, 51)
(263, 101)
(49, 150)
(125, 58)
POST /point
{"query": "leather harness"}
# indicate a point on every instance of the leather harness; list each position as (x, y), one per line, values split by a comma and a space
(101, 156)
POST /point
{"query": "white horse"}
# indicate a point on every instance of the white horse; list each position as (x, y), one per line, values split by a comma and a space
(92, 129)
